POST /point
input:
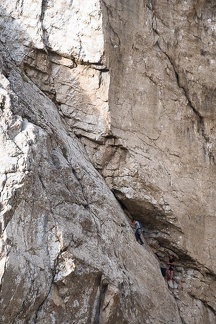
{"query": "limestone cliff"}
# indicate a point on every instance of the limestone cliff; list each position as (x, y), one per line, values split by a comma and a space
(107, 114)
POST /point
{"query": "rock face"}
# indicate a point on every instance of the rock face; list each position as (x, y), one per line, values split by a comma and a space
(67, 251)
(107, 113)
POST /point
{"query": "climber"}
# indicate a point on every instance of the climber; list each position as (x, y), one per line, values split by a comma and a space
(170, 271)
(138, 231)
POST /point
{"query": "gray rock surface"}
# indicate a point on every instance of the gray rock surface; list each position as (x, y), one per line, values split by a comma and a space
(107, 113)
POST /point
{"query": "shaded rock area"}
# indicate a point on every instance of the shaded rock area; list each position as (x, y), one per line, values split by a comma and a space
(107, 114)
(67, 251)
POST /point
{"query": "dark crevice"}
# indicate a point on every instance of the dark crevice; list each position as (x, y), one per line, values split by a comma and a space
(205, 303)
(34, 68)
(79, 178)
(209, 307)
(181, 86)
(109, 14)
(201, 125)
(44, 299)
(41, 181)
(44, 37)
(99, 66)
(151, 79)
(103, 288)
(159, 233)
(53, 271)
(178, 81)
(97, 311)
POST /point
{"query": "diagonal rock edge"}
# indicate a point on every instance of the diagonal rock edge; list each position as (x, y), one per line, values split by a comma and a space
(122, 199)
(38, 248)
(29, 302)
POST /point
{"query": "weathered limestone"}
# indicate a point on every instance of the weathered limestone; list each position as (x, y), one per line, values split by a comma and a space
(74, 29)
(166, 122)
(67, 252)
(127, 89)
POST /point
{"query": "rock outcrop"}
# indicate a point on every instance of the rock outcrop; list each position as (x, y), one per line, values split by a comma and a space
(107, 113)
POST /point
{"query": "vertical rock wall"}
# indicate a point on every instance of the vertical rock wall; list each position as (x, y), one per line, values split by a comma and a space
(68, 254)
(67, 251)
(162, 108)
(126, 89)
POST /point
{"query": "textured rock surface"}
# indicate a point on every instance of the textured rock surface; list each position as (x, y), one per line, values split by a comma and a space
(127, 90)
(67, 252)
(166, 122)
(164, 52)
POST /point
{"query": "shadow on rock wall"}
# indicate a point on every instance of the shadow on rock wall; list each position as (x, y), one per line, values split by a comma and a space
(64, 251)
